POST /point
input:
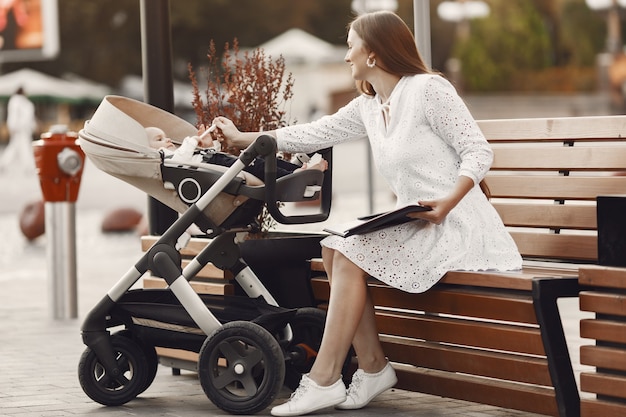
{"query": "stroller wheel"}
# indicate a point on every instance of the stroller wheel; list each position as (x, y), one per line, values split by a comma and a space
(307, 326)
(109, 390)
(241, 367)
(151, 357)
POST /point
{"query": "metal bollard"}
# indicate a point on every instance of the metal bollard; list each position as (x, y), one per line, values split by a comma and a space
(59, 160)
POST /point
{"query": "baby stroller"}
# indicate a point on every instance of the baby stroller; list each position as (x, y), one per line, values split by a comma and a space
(248, 345)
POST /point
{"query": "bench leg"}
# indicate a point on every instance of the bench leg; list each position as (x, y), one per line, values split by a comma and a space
(546, 292)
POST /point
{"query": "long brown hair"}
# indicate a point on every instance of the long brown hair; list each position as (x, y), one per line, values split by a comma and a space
(386, 34)
(389, 37)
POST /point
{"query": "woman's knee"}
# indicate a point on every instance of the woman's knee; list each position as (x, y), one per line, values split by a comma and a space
(327, 259)
(341, 266)
(327, 253)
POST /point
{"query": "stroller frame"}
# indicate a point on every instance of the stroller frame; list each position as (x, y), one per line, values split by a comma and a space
(116, 368)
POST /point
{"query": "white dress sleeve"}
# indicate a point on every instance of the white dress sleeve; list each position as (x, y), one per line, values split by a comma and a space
(345, 125)
(450, 118)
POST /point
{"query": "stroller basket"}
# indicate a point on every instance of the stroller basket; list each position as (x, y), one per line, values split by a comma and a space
(159, 313)
(115, 140)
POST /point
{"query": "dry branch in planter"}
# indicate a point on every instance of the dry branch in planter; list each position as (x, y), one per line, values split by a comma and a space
(251, 90)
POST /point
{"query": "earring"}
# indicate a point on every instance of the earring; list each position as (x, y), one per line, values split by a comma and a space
(371, 62)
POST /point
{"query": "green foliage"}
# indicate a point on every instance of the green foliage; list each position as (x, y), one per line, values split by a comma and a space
(511, 39)
(101, 40)
(583, 33)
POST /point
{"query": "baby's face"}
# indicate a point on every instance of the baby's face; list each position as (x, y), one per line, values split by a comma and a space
(157, 139)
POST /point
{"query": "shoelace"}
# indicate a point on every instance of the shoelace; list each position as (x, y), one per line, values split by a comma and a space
(300, 391)
(357, 379)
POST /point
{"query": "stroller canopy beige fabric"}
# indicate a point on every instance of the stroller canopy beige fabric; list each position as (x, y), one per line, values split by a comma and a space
(117, 133)
(115, 140)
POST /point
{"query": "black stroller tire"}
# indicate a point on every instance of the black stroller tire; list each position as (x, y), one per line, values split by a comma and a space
(108, 391)
(307, 326)
(241, 367)
(152, 357)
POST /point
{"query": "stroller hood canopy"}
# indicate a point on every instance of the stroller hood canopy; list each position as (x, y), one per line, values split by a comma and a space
(115, 140)
(117, 133)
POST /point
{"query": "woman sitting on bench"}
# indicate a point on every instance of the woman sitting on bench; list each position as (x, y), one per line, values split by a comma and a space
(432, 153)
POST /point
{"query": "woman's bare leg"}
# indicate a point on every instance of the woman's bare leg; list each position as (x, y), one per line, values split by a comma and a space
(346, 317)
(366, 343)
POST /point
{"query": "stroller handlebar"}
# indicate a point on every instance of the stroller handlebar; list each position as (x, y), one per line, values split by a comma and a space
(265, 146)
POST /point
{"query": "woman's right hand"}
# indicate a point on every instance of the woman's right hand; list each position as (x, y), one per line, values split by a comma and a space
(231, 137)
(228, 134)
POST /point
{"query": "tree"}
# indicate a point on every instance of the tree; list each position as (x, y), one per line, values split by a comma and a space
(101, 40)
(513, 37)
(538, 45)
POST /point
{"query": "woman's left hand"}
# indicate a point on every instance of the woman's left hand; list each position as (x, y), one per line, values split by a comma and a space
(439, 210)
(442, 206)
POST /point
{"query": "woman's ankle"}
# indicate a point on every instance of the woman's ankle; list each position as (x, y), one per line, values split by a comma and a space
(373, 366)
(323, 379)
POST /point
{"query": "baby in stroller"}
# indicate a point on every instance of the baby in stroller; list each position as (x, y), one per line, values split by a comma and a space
(188, 151)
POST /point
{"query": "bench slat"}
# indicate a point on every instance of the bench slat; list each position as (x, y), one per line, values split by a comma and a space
(518, 368)
(603, 384)
(198, 286)
(556, 246)
(605, 330)
(554, 187)
(473, 333)
(529, 398)
(179, 354)
(548, 215)
(602, 276)
(513, 280)
(194, 246)
(557, 128)
(559, 158)
(495, 305)
(596, 408)
(604, 303)
(603, 357)
(208, 271)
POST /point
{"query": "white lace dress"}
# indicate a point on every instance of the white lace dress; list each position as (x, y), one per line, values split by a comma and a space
(421, 140)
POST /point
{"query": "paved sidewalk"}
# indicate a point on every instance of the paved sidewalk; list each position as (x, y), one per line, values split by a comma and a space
(38, 374)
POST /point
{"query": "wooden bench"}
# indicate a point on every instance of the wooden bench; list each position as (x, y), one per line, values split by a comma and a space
(603, 292)
(497, 338)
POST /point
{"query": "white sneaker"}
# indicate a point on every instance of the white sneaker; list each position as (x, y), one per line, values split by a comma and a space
(364, 387)
(310, 397)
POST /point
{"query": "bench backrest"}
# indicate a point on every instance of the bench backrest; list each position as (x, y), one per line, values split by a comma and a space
(546, 176)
